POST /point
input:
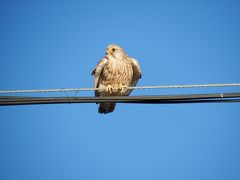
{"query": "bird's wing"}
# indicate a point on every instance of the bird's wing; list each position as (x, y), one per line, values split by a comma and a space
(97, 73)
(137, 74)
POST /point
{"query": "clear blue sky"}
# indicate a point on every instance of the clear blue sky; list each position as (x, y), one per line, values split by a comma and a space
(56, 44)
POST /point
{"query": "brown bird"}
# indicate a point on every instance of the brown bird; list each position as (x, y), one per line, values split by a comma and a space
(114, 73)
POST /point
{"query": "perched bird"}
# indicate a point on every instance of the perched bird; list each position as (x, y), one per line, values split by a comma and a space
(114, 73)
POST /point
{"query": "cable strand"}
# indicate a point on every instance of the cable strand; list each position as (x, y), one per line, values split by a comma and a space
(137, 87)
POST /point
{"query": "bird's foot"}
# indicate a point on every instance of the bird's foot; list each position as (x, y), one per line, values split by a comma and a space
(109, 89)
(122, 88)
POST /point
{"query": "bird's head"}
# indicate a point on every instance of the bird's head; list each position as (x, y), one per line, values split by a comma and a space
(115, 51)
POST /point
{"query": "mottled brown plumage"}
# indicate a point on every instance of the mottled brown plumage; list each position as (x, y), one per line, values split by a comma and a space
(114, 73)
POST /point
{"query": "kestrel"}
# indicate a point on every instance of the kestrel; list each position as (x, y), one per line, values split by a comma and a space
(113, 74)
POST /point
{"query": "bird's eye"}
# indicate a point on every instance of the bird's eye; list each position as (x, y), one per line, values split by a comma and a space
(113, 49)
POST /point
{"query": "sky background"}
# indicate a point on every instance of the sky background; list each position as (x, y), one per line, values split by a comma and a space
(56, 44)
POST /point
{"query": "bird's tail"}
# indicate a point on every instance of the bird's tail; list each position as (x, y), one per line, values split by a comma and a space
(105, 108)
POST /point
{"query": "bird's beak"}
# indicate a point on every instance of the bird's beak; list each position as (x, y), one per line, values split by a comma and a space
(107, 52)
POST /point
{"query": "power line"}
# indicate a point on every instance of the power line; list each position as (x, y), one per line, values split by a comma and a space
(139, 87)
(163, 99)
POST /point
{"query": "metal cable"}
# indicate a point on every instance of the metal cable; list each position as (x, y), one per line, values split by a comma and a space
(139, 87)
(163, 99)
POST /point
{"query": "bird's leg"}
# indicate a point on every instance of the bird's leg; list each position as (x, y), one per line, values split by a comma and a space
(109, 89)
(122, 88)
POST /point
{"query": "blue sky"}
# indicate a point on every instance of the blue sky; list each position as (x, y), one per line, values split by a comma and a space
(56, 44)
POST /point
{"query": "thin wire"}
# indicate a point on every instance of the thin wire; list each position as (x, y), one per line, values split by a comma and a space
(139, 87)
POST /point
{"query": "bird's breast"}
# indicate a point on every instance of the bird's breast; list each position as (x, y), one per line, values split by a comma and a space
(117, 72)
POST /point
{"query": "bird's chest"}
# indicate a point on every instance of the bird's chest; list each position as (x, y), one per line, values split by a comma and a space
(118, 72)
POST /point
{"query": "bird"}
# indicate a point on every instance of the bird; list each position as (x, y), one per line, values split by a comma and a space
(113, 74)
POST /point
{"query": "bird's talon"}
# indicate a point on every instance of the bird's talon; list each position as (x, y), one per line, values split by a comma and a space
(122, 88)
(109, 89)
